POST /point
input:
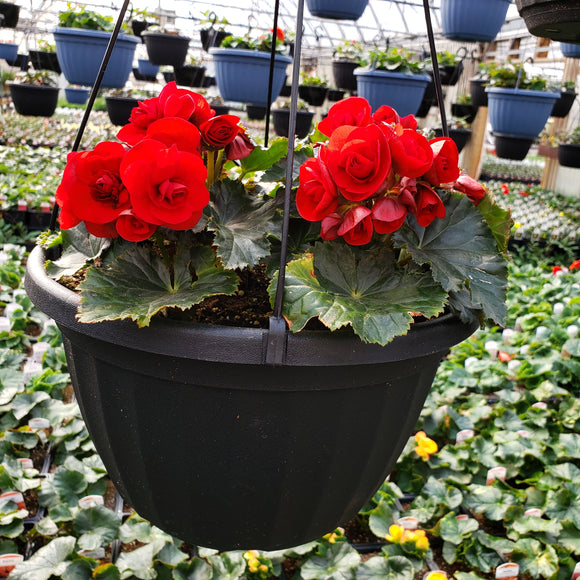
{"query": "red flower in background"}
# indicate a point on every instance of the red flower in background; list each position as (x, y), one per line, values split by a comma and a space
(575, 265)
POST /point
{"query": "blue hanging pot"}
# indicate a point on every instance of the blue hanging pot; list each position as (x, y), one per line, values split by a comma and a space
(242, 75)
(570, 50)
(147, 69)
(80, 53)
(473, 20)
(519, 112)
(404, 92)
(337, 9)
(76, 96)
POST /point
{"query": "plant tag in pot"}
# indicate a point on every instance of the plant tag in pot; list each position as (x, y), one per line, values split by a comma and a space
(507, 571)
(496, 473)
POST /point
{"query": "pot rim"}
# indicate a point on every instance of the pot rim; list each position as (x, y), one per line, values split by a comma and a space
(522, 92)
(165, 35)
(247, 53)
(414, 77)
(83, 32)
(186, 340)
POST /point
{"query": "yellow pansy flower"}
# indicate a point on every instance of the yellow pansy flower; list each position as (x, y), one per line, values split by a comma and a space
(425, 446)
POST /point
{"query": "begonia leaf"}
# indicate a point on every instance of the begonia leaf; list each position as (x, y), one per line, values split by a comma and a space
(462, 253)
(363, 289)
(138, 285)
(242, 224)
(381, 568)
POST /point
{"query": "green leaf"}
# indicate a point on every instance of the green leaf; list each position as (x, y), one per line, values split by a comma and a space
(23, 404)
(381, 518)
(445, 495)
(277, 173)
(456, 531)
(139, 562)
(562, 504)
(97, 526)
(530, 524)
(489, 500)
(137, 285)
(381, 568)
(48, 561)
(106, 572)
(570, 445)
(338, 563)
(241, 223)
(261, 159)
(10, 384)
(570, 537)
(361, 288)
(461, 250)
(228, 565)
(79, 247)
(196, 569)
(497, 220)
(572, 347)
(171, 555)
(535, 559)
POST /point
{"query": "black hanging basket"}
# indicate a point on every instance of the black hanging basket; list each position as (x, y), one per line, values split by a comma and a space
(33, 100)
(510, 147)
(459, 136)
(466, 112)
(343, 72)
(189, 75)
(9, 15)
(563, 105)
(281, 117)
(260, 456)
(42, 60)
(165, 49)
(119, 109)
(477, 91)
(555, 19)
(569, 155)
(211, 37)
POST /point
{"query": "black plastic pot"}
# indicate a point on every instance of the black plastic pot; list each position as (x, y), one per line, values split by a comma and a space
(563, 105)
(256, 112)
(38, 220)
(273, 451)
(313, 95)
(44, 60)
(141, 77)
(334, 95)
(344, 78)
(286, 91)
(450, 74)
(9, 14)
(119, 109)
(211, 37)
(466, 112)
(569, 155)
(477, 91)
(555, 19)
(510, 147)
(281, 118)
(220, 109)
(21, 61)
(189, 75)
(168, 76)
(166, 49)
(139, 27)
(34, 101)
(459, 136)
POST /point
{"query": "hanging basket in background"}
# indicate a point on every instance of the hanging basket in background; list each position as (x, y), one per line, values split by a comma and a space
(9, 15)
(511, 146)
(242, 74)
(337, 9)
(165, 49)
(404, 92)
(80, 53)
(473, 20)
(519, 112)
(555, 19)
(563, 105)
(76, 95)
(569, 155)
(570, 50)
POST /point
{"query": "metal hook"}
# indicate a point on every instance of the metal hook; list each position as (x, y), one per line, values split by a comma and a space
(461, 52)
(251, 22)
(318, 33)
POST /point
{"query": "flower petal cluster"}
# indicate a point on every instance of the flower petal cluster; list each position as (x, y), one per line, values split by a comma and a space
(416, 539)
(425, 447)
(374, 171)
(159, 177)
